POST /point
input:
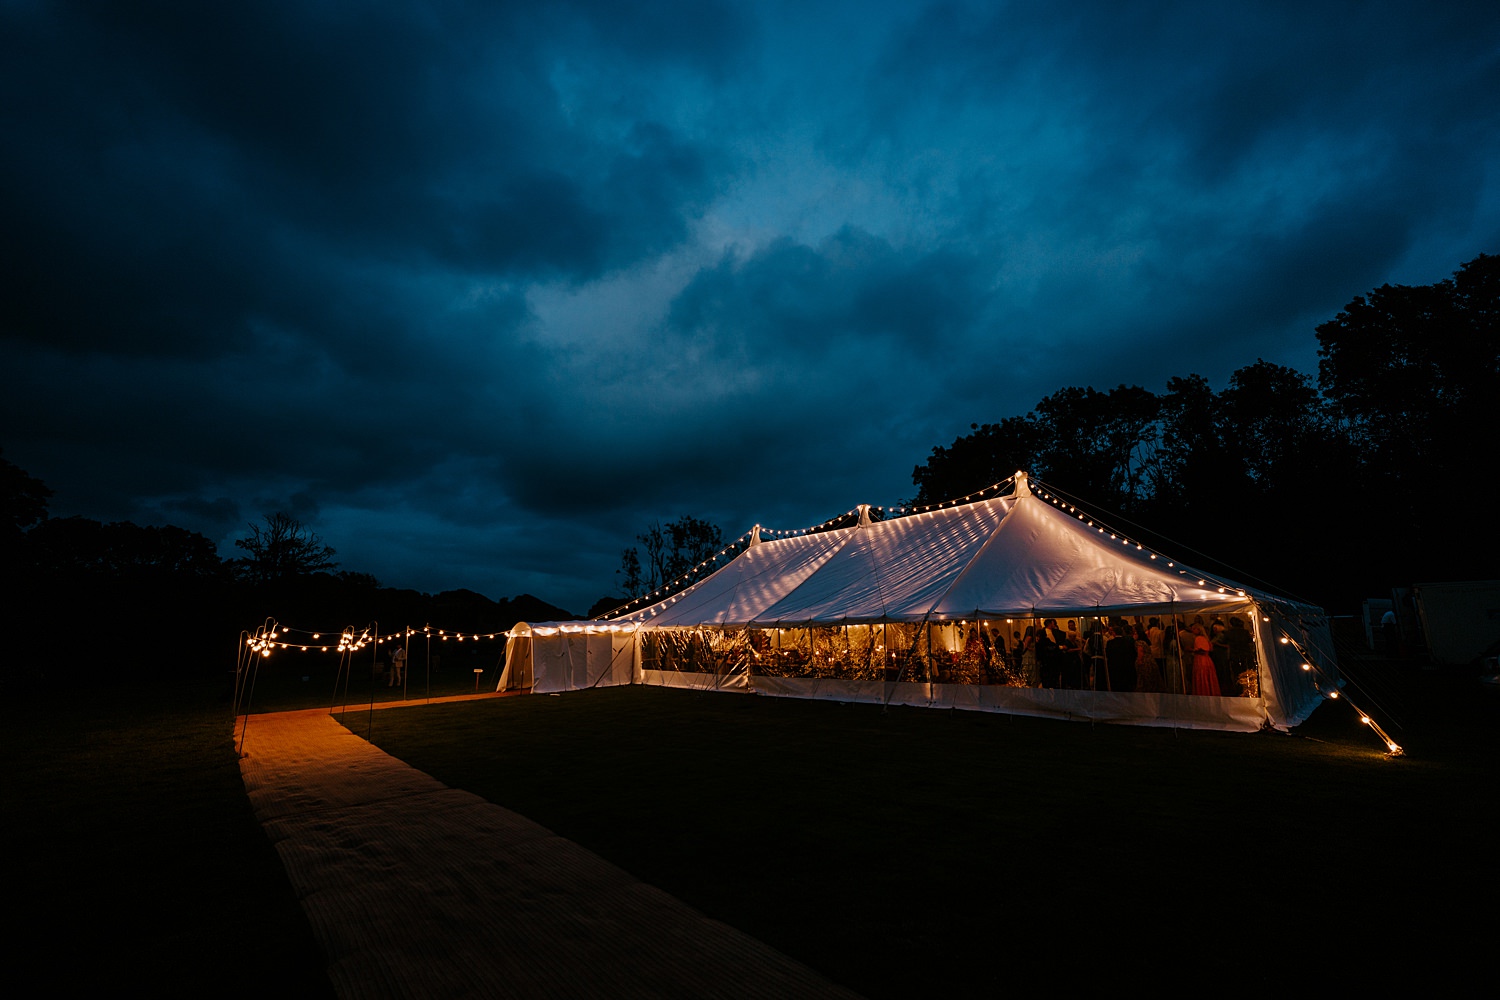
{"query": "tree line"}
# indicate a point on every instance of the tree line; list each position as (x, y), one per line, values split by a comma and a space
(126, 602)
(1376, 474)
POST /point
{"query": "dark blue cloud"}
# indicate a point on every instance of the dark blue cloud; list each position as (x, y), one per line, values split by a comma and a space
(850, 291)
(178, 172)
(482, 289)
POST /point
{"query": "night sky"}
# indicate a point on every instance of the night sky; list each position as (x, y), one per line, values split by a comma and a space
(479, 292)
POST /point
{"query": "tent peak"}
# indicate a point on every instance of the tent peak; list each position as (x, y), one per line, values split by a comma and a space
(864, 514)
(1023, 489)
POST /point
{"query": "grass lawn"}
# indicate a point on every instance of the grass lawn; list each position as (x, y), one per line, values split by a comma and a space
(909, 853)
(937, 853)
(133, 845)
(135, 857)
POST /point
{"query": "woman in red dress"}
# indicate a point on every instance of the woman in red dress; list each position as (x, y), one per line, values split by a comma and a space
(1205, 678)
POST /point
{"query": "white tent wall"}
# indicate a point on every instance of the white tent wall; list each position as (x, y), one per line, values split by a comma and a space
(1140, 709)
(569, 656)
(517, 675)
(736, 681)
(1290, 692)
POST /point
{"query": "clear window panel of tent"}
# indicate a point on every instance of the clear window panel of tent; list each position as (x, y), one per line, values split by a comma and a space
(1199, 654)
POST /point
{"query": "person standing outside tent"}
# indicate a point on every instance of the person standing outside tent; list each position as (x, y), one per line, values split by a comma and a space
(398, 667)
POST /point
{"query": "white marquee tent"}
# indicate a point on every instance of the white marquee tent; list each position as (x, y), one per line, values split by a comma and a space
(903, 600)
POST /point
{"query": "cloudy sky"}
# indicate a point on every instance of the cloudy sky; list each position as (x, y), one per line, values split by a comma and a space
(479, 290)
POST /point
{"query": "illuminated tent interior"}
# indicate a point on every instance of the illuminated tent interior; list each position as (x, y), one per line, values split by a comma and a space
(931, 608)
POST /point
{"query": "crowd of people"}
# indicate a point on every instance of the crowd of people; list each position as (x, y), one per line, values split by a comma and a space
(1196, 656)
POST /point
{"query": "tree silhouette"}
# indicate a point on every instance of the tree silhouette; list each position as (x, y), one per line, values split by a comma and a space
(1413, 370)
(669, 553)
(1413, 374)
(630, 571)
(1093, 443)
(993, 452)
(1099, 444)
(24, 498)
(284, 549)
(1300, 479)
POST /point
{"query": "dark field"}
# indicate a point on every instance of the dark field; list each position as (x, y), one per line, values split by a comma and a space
(909, 853)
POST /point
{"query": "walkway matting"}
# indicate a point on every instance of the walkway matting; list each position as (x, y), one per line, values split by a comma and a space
(415, 889)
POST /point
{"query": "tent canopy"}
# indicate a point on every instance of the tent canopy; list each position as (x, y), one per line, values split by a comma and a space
(1021, 556)
(1015, 556)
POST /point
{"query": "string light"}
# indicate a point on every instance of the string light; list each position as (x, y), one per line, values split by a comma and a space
(1393, 749)
(349, 641)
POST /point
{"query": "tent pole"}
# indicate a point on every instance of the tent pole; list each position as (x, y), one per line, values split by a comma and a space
(374, 665)
(337, 676)
(239, 673)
